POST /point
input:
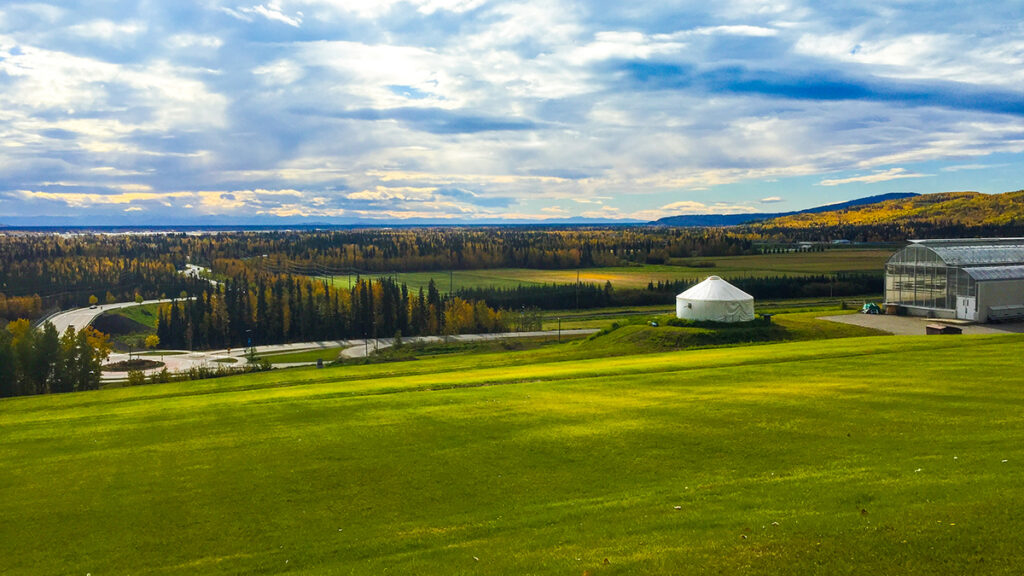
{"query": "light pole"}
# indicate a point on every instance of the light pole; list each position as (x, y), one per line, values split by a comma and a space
(559, 329)
(251, 349)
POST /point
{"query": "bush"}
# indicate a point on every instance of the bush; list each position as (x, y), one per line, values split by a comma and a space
(136, 377)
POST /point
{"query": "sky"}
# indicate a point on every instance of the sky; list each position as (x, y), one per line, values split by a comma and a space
(116, 112)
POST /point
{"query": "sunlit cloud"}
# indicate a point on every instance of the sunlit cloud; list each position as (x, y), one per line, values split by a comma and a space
(481, 109)
(887, 175)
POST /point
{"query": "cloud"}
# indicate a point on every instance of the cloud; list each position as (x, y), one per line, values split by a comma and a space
(824, 85)
(477, 108)
(108, 30)
(737, 30)
(80, 199)
(691, 207)
(770, 199)
(271, 11)
(435, 120)
(960, 167)
(885, 176)
(398, 193)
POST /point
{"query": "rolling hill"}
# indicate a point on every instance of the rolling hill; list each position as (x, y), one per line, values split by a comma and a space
(872, 455)
(968, 209)
(737, 219)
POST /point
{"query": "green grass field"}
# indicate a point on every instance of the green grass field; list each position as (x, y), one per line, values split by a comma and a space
(143, 314)
(802, 263)
(325, 354)
(601, 317)
(874, 455)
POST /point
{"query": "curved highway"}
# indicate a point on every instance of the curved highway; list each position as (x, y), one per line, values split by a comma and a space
(82, 317)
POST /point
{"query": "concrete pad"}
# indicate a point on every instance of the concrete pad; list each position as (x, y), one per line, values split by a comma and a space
(915, 326)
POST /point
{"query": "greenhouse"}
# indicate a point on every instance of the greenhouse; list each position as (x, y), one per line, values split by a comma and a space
(978, 279)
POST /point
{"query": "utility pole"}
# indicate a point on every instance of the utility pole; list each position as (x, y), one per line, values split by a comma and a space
(559, 329)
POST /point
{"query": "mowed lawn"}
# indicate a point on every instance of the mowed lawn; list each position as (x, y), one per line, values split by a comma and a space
(787, 264)
(876, 455)
(143, 314)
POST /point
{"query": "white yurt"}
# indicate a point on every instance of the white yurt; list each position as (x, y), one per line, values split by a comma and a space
(716, 300)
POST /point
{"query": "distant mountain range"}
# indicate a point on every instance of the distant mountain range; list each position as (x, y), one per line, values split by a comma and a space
(737, 219)
(274, 223)
(969, 209)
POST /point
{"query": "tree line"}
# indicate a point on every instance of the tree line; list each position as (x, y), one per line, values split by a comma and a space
(44, 362)
(272, 309)
(40, 273)
(589, 295)
(784, 287)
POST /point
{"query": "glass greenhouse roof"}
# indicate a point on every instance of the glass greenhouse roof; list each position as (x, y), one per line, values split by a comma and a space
(976, 251)
(982, 273)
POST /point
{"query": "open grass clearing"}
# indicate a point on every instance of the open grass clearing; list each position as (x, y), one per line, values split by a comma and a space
(144, 314)
(867, 455)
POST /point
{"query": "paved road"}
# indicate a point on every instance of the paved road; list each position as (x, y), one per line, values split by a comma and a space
(180, 361)
(82, 317)
(913, 325)
(193, 271)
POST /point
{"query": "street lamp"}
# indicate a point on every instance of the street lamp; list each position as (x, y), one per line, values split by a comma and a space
(251, 352)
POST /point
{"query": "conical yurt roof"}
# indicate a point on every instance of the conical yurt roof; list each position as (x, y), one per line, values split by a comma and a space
(715, 289)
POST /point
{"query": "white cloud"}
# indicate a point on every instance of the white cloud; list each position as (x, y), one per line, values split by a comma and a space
(771, 199)
(885, 176)
(109, 31)
(959, 167)
(271, 11)
(280, 72)
(81, 199)
(691, 207)
(456, 6)
(189, 40)
(737, 30)
(384, 193)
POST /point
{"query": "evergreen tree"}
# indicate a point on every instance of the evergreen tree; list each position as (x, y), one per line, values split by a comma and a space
(8, 374)
(47, 359)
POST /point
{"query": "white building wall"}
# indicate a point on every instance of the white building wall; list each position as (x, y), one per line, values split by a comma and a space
(999, 293)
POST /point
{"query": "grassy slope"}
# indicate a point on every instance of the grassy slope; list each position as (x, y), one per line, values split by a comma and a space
(544, 469)
(325, 354)
(638, 276)
(969, 208)
(145, 315)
